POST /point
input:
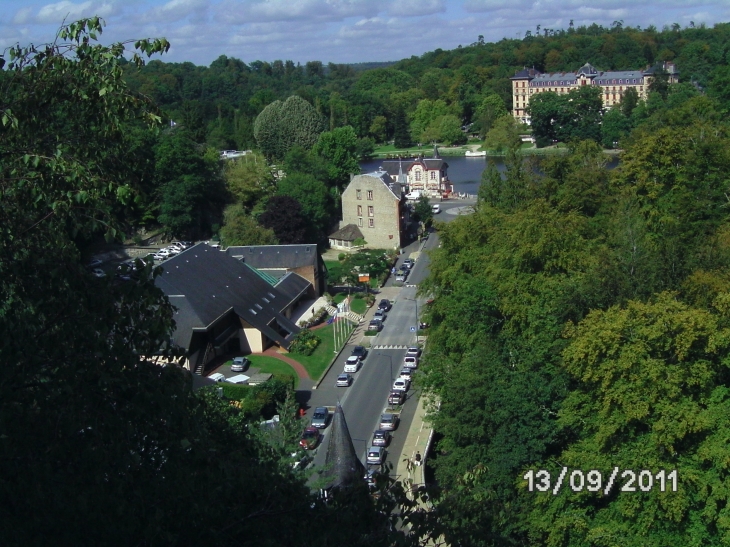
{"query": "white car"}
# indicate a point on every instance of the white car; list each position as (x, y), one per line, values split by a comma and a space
(410, 361)
(413, 351)
(163, 252)
(172, 250)
(98, 272)
(406, 374)
(401, 384)
(436, 208)
(159, 257)
(217, 377)
(352, 364)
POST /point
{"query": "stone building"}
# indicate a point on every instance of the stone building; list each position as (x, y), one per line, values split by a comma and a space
(528, 82)
(374, 204)
(429, 175)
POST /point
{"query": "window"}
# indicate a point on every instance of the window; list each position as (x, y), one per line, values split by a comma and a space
(359, 210)
(371, 223)
(370, 195)
(418, 175)
(359, 221)
(359, 194)
(371, 211)
(433, 175)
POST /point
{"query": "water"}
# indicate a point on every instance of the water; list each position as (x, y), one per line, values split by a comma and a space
(465, 173)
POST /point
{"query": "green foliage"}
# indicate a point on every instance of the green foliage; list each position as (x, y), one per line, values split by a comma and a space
(315, 200)
(573, 116)
(504, 133)
(249, 179)
(339, 150)
(305, 342)
(490, 109)
(282, 125)
(284, 216)
(240, 228)
(423, 212)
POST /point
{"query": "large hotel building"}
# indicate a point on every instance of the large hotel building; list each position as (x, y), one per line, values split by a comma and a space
(529, 81)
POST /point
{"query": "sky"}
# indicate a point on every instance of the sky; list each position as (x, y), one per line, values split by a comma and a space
(338, 31)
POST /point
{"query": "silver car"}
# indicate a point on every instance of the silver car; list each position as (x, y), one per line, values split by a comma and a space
(388, 421)
(320, 417)
(239, 364)
(344, 380)
(376, 455)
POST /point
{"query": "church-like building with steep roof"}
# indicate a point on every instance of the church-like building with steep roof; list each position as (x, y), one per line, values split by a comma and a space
(528, 82)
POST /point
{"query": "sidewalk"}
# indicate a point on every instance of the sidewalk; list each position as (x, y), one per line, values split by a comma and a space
(416, 441)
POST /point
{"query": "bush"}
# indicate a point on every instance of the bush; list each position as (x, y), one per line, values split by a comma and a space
(305, 342)
(341, 256)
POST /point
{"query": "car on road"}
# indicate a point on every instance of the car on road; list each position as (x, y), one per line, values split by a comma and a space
(396, 398)
(300, 461)
(375, 325)
(98, 272)
(388, 421)
(310, 438)
(436, 208)
(344, 380)
(406, 373)
(352, 364)
(410, 362)
(401, 384)
(240, 364)
(381, 437)
(361, 352)
(160, 257)
(376, 455)
(385, 304)
(401, 275)
(370, 478)
(217, 377)
(379, 315)
(320, 418)
(413, 351)
(409, 263)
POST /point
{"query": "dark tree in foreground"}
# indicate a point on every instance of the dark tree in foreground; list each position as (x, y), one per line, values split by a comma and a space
(283, 215)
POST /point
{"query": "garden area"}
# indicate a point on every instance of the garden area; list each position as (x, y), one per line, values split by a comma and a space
(318, 361)
(272, 365)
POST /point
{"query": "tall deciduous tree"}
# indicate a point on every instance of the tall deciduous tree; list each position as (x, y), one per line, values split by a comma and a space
(240, 228)
(282, 125)
(315, 200)
(339, 150)
(284, 216)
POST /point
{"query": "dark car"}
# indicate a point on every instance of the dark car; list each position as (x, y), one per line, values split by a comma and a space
(388, 421)
(375, 325)
(320, 417)
(396, 398)
(385, 305)
(310, 438)
(381, 437)
(360, 351)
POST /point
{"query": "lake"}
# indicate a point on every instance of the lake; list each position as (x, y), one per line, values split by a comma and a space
(465, 173)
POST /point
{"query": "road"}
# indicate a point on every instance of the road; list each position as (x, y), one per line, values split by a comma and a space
(364, 401)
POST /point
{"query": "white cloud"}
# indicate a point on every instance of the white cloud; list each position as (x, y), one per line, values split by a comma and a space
(176, 10)
(416, 8)
(295, 10)
(54, 14)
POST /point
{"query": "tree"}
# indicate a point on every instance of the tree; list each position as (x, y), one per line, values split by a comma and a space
(283, 215)
(401, 135)
(504, 134)
(490, 109)
(545, 110)
(249, 179)
(580, 117)
(315, 200)
(615, 127)
(282, 125)
(379, 128)
(426, 113)
(423, 212)
(339, 150)
(240, 228)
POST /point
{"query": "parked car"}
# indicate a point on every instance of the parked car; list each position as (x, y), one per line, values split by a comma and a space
(352, 364)
(370, 478)
(240, 364)
(375, 325)
(436, 208)
(408, 263)
(388, 421)
(98, 272)
(413, 351)
(217, 377)
(320, 417)
(361, 352)
(406, 373)
(410, 361)
(376, 455)
(94, 263)
(396, 398)
(385, 304)
(163, 252)
(381, 437)
(401, 384)
(310, 438)
(300, 460)
(160, 257)
(401, 275)
(344, 380)
(379, 315)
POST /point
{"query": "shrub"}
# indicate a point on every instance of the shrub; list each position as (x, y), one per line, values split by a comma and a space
(341, 256)
(305, 342)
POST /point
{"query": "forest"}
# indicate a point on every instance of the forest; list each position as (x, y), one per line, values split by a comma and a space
(580, 317)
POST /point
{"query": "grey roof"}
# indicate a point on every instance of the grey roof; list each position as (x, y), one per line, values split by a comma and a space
(264, 257)
(341, 463)
(349, 232)
(539, 79)
(292, 286)
(393, 167)
(384, 177)
(205, 284)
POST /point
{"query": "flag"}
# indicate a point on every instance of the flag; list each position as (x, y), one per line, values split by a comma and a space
(172, 124)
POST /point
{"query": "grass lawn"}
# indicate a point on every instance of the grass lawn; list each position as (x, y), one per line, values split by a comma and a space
(426, 150)
(274, 366)
(322, 356)
(357, 305)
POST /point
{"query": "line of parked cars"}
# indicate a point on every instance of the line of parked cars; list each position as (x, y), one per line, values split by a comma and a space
(175, 248)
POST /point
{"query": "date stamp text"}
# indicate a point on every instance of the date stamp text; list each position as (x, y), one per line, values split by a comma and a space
(593, 480)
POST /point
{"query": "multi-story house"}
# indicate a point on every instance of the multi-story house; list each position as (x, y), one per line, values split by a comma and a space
(429, 175)
(372, 205)
(527, 82)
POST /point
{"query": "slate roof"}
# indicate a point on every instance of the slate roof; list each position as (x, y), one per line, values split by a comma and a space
(292, 286)
(341, 462)
(264, 257)
(205, 284)
(393, 167)
(347, 233)
(552, 79)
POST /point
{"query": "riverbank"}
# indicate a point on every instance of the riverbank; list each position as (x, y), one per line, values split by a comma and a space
(389, 152)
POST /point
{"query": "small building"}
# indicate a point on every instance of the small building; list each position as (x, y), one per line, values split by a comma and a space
(614, 84)
(429, 175)
(344, 238)
(224, 305)
(278, 260)
(373, 204)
